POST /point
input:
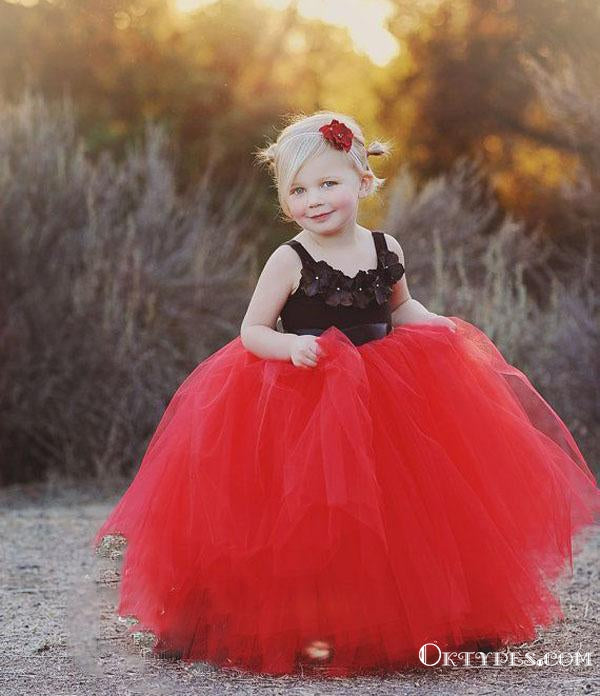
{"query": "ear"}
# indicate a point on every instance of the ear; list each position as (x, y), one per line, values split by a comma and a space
(365, 183)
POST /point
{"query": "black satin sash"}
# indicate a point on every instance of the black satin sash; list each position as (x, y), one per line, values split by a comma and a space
(358, 334)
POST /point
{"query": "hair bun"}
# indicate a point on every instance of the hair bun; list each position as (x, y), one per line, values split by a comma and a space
(270, 152)
(266, 155)
(377, 148)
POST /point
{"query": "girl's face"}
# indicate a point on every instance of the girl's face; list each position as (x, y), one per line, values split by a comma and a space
(325, 192)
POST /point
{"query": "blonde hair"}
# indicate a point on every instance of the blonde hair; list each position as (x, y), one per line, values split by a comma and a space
(301, 140)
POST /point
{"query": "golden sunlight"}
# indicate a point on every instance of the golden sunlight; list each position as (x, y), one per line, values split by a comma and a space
(365, 21)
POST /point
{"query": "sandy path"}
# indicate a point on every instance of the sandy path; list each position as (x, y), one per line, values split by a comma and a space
(60, 636)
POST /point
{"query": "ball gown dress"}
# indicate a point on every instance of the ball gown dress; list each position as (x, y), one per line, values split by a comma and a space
(413, 487)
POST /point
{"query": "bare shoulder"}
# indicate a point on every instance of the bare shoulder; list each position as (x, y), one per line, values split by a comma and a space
(283, 258)
(272, 288)
(280, 268)
(394, 245)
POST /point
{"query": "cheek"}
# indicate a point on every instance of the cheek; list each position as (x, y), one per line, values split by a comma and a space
(296, 207)
(342, 198)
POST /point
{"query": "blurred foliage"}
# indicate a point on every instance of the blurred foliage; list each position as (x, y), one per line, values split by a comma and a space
(218, 89)
(461, 86)
(222, 78)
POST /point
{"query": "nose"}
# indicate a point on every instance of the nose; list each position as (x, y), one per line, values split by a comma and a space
(314, 200)
(313, 197)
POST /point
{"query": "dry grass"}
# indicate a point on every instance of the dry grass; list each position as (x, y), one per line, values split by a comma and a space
(117, 285)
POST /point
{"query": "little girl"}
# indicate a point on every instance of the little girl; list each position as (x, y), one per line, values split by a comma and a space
(371, 479)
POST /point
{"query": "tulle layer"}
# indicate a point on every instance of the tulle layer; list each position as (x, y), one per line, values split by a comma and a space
(413, 489)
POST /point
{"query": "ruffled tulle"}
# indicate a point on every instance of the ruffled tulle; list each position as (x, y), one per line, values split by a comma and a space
(412, 489)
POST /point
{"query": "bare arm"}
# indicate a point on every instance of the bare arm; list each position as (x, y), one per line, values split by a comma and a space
(258, 330)
(405, 309)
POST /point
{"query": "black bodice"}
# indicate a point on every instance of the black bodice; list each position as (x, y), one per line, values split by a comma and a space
(357, 305)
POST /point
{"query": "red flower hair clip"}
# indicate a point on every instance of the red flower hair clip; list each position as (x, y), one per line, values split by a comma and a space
(338, 134)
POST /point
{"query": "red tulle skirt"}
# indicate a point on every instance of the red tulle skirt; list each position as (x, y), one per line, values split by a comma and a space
(412, 489)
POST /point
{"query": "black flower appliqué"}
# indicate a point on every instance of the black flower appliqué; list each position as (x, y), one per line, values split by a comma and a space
(316, 278)
(361, 291)
(391, 265)
(380, 288)
(319, 278)
(340, 290)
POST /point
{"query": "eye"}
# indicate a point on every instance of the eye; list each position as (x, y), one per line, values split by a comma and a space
(329, 181)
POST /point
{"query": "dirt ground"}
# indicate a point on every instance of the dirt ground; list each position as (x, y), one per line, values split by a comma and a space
(60, 634)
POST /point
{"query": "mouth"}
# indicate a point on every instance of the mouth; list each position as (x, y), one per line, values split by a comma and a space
(322, 216)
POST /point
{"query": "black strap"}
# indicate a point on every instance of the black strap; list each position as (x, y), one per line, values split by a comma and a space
(305, 257)
(380, 243)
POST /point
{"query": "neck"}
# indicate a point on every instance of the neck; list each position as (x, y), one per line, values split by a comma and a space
(347, 236)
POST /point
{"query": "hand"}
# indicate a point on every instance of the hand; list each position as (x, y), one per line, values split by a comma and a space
(305, 351)
(439, 320)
